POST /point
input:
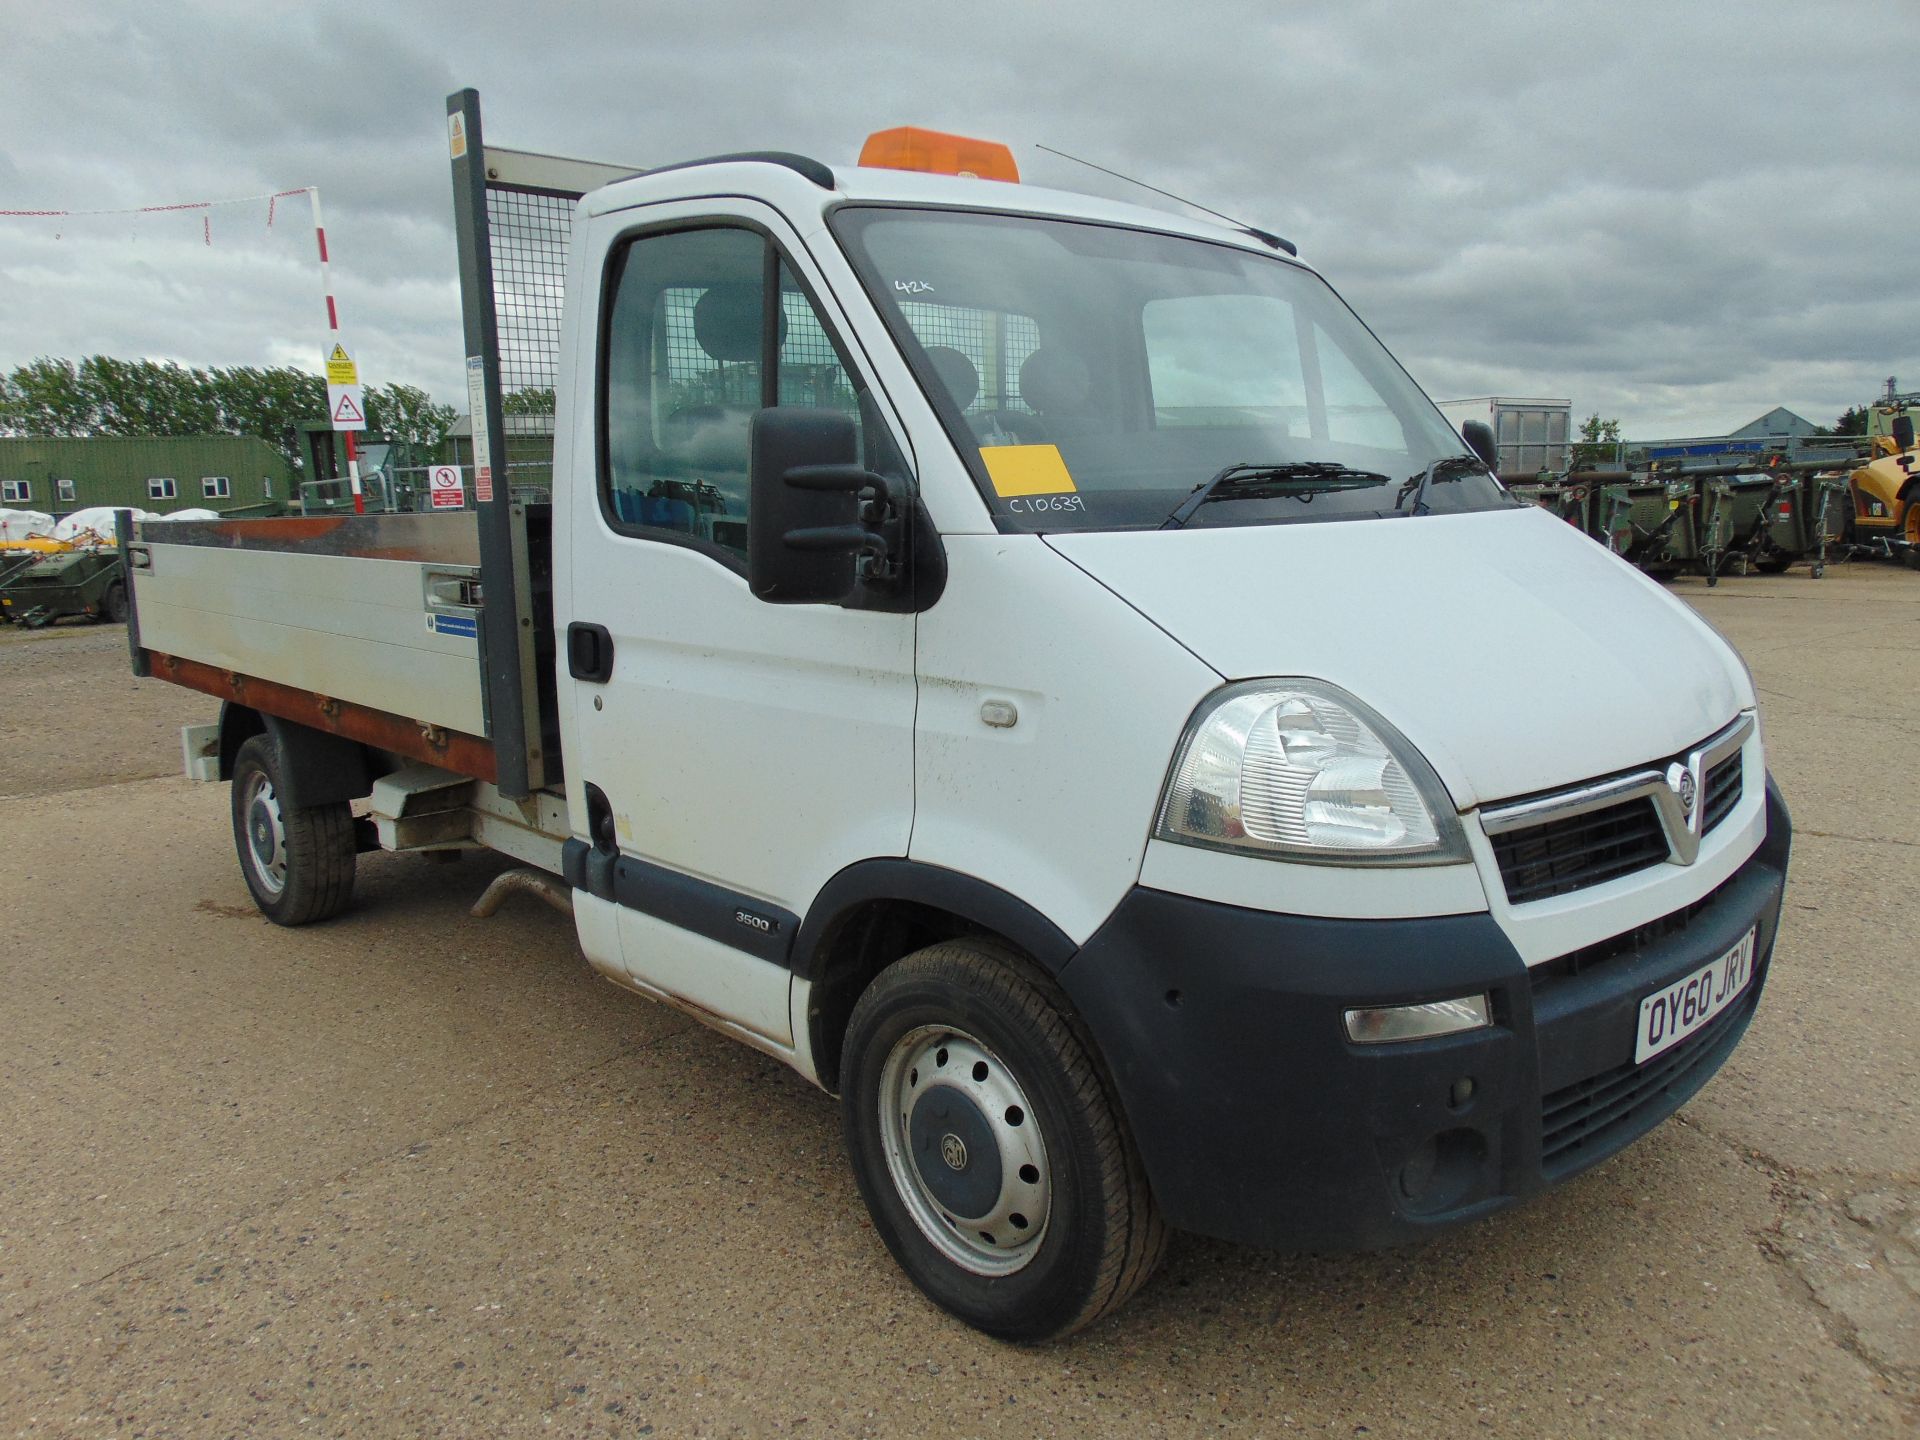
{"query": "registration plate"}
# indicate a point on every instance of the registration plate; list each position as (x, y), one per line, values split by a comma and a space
(1673, 1012)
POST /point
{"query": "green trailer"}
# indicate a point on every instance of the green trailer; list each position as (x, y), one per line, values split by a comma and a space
(1719, 516)
(1806, 521)
(1770, 520)
(89, 583)
(1654, 524)
(1571, 502)
(1733, 521)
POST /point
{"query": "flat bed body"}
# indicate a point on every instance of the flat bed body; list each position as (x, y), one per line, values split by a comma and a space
(364, 626)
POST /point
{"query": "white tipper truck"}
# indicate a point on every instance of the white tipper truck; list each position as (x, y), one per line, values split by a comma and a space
(1042, 670)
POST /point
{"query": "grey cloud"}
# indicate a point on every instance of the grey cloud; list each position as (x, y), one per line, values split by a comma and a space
(1681, 215)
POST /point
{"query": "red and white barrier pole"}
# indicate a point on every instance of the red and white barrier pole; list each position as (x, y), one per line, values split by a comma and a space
(333, 328)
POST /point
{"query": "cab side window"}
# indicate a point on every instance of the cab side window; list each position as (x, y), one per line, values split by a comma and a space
(686, 365)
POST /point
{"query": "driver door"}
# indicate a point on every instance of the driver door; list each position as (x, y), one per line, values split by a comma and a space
(745, 751)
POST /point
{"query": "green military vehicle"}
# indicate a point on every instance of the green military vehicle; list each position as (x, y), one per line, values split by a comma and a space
(54, 585)
(1652, 522)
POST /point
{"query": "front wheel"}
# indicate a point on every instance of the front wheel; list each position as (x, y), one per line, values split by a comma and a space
(988, 1146)
(298, 862)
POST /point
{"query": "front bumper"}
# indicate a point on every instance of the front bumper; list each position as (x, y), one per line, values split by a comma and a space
(1258, 1121)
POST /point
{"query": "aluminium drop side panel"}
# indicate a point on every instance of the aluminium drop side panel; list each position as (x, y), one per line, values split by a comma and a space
(1055, 809)
(349, 627)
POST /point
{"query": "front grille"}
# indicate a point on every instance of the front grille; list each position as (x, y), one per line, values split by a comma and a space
(1591, 1115)
(1632, 942)
(1561, 856)
(1724, 785)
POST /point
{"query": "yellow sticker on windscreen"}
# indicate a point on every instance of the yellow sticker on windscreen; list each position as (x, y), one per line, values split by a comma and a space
(1026, 470)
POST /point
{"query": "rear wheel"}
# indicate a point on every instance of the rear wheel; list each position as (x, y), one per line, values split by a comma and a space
(297, 862)
(989, 1148)
(114, 605)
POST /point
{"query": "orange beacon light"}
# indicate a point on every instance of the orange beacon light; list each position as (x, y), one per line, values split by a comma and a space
(907, 147)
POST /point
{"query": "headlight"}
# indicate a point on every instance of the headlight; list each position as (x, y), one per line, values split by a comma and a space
(1298, 769)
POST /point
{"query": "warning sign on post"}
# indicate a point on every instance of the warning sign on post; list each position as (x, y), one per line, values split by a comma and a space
(443, 482)
(347, 407)
(341, 369)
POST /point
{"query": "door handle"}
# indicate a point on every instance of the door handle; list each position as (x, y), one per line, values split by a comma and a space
(589, 653)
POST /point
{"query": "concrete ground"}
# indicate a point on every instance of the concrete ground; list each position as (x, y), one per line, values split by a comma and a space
(416, 1173)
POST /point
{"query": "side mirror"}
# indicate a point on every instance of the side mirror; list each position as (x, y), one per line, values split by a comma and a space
(818, 524)
(1903, 431)
(1479, 438)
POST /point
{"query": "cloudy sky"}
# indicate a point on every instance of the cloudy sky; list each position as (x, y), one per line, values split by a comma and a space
(1680, 214)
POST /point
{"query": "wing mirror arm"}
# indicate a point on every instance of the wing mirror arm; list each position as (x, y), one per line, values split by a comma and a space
(821, 526)
(879, 537)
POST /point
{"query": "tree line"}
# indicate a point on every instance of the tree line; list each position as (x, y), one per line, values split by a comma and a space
(104, 396)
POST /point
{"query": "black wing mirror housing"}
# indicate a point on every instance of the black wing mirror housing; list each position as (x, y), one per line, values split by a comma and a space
(819, 525)
(1479, 438)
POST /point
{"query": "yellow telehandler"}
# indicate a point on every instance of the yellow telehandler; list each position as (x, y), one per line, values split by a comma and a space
(1886, 490)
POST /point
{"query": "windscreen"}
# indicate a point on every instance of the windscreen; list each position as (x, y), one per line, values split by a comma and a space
(1095, 377)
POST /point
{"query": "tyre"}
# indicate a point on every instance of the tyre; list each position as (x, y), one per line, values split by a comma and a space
(297, 862)
(989, 1147)
(114, 605)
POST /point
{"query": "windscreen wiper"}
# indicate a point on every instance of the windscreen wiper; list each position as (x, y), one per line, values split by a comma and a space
(1296, 479)
(1417, 484)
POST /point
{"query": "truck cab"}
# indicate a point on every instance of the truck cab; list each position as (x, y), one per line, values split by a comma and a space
(1040, 668)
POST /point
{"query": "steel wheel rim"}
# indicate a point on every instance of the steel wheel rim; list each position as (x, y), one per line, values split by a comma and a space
(989, 1105)
(266, 835)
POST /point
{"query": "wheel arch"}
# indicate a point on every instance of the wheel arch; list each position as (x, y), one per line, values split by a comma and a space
(318, 768)
(879, 911)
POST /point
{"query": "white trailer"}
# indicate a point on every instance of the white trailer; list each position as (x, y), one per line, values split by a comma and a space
(1531, 434)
